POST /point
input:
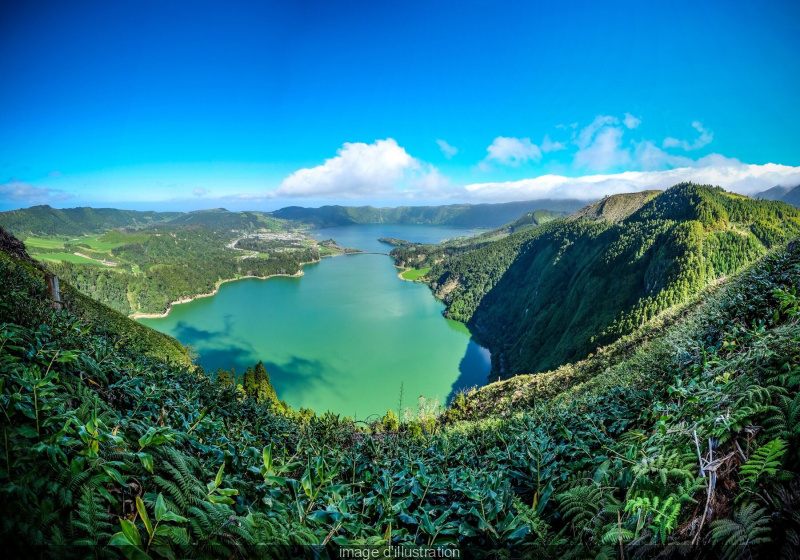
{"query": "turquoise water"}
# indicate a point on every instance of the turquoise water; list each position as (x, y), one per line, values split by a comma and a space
(343, 337)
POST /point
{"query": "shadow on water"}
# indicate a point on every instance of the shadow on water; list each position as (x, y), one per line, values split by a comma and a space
(184, 331)
(233, 356)
(474, 370)
(304, 377)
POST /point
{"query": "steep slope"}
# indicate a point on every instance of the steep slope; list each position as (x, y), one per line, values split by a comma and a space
(688, 444)
(132, 335)
(614, 208)
(551, 295)
(460, 215)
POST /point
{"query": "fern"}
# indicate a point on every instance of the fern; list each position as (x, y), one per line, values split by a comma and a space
(580, 504)
(93, 521)
(664, 514)
(664, 467)
(764, 463)
(749, 527)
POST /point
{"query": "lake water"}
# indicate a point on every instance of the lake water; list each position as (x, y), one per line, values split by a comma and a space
(343, 337)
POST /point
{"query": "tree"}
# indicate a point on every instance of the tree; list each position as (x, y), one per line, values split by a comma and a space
(249, 383)
(264, 391)
(223, 378)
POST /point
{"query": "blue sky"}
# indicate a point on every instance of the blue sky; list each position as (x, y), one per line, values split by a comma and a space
(187, 105)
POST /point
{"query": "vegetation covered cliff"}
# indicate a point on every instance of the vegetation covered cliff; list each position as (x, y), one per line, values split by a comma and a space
(551, 295)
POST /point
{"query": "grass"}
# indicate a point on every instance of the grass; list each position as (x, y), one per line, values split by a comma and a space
(42, 243)
(415, 273)
(94, 242)
(69, 257)
(91, 241)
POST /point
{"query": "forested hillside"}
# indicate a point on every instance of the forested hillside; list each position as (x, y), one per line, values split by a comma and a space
(161, 265)
(72, 222)
(551, 295)
(685, 445)
(459, 215)
(220, 219)
(141, 262)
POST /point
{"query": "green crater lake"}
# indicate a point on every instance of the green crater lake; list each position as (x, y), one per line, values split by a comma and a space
(344, 336)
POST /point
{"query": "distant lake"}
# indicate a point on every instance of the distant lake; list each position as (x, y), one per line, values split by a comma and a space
(343, 337)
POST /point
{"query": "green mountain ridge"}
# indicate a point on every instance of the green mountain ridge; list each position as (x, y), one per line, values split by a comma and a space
(550, 295)
(459, 215)
(74, 222)
(44, 220)
(111, 450)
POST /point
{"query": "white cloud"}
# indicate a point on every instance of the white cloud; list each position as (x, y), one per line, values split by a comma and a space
(550, 146)
(630, 121)
(359, 170)
(384, 170)
(587, 134)
(429, 183)
(19, 191)
(650, 157)
(705, 138)
(448, 150)
(600, 145)
(728, 173)
(199, 191)
(513, 151)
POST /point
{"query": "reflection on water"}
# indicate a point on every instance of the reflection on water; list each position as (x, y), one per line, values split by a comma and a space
(344, 337)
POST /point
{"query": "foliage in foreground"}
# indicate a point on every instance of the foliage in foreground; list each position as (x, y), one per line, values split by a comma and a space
(690, 445)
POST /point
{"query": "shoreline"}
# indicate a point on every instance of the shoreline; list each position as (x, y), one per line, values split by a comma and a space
(209, 294)
(402, 271)
(221, 282)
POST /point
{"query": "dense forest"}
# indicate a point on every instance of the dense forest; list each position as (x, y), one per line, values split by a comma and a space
(172, 263)
(459, 215)
(680, 440)
(552, 294)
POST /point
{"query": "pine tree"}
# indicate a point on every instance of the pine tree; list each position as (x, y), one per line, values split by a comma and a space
(249, 383)
(265, 391)
(223, 378)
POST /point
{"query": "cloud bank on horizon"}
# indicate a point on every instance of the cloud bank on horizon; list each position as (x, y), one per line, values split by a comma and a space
(601, 158)
(603, 162)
